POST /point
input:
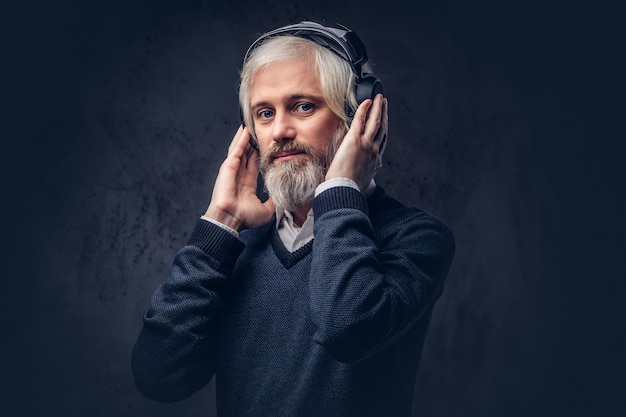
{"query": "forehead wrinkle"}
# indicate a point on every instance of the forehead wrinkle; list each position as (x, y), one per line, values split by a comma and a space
(293, 81)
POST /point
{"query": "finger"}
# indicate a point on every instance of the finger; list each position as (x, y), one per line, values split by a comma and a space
(360, 116)
(253, 158)
(382, 146)
(381, 135)
(385, 116)
(236, 137)
(240, 145)
(249, 153)
(373, 123)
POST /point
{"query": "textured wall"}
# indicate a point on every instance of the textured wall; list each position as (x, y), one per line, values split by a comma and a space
(118, 115)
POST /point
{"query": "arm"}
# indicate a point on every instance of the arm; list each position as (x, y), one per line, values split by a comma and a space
(369, 287)
(174, 354)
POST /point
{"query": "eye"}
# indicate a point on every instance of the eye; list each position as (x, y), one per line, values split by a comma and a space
(265, 114)
(304, 107)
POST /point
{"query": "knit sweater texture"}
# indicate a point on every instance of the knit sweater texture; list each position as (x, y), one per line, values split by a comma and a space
(335, 328)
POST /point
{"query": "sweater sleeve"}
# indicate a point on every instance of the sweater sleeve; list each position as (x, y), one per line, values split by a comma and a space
(174, 354)
(368, 287)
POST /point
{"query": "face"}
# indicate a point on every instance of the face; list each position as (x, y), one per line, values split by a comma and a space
(289, 111)
(294, 128)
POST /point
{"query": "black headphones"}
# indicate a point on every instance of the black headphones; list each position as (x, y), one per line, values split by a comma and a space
(343, 42)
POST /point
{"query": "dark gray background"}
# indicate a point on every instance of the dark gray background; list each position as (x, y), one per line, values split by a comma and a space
(506, 122)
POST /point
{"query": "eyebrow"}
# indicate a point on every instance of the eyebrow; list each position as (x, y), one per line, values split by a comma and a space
(295, 97)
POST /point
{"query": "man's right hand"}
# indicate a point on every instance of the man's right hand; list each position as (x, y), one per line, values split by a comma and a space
(234, 202)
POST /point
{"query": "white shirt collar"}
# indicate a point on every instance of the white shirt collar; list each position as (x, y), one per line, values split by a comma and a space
(293, 236)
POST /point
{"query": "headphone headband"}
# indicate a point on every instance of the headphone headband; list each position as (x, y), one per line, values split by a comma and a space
(338, 38)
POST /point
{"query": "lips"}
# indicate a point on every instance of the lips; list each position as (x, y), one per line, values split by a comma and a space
(286, 155)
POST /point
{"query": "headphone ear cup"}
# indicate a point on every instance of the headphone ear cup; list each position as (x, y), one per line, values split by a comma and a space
(368, 87)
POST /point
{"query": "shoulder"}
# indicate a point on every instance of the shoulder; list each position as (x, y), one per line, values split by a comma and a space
(392, 219)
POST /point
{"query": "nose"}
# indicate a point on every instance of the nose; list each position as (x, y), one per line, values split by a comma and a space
(283, 129)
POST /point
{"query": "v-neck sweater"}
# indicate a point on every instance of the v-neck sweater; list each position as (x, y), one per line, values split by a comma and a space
(335, 328)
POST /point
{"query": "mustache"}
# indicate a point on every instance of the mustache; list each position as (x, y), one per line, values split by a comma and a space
(276, 149)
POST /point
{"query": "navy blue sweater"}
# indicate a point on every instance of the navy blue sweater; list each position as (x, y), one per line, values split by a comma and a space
(333, 329)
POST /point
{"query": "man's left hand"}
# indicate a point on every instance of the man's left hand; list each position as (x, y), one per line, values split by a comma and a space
(360, 154)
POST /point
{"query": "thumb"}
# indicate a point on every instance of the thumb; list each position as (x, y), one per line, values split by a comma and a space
(270, 206)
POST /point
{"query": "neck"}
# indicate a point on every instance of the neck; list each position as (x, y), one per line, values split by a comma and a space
(300, 214)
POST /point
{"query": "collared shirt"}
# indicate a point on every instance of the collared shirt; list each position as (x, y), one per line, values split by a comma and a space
(292, 235)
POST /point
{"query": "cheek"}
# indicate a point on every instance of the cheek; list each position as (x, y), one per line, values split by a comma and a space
(324, 136)
(263, 139)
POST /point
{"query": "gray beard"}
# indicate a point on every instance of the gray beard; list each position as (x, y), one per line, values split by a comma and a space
(292, 184)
